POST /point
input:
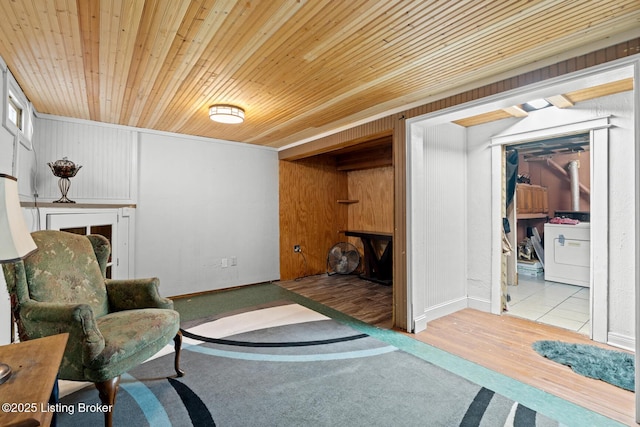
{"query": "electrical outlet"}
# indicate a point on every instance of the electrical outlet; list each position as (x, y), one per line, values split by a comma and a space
(224, 263)
(296, 248)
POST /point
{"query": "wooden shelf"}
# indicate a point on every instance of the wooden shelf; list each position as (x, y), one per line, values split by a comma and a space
(348, 201)
(77, 205)
(532, 201)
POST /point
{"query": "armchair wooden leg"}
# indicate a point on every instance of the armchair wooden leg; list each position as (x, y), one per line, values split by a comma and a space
(178, 346)
(107, 391)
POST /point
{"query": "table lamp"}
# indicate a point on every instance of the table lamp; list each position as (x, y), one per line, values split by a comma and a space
(15, 239)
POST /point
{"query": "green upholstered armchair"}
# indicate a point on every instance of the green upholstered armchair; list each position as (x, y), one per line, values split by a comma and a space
(113, 325)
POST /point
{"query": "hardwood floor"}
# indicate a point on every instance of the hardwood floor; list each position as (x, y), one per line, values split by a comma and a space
(501, 343)
(366, 301)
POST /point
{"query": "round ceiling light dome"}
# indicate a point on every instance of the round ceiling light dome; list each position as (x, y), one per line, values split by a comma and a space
(225, 113)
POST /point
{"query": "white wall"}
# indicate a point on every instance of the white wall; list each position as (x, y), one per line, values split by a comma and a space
(437, 223)
(200, 202)
(479, 237)
(197, 200)
(107, 154)
(622, 232)
(6, 137)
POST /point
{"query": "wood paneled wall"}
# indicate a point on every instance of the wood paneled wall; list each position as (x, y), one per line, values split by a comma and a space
(310, 215)
(395, 124)
(373, 189)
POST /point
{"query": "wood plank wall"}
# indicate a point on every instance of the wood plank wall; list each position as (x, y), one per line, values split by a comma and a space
(373, 189)
(395, 125)
(310, 215)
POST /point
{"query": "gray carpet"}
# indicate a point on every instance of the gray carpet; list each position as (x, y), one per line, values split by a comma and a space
(320, 373)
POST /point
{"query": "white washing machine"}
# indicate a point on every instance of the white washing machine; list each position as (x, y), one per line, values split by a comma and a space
(567, 253)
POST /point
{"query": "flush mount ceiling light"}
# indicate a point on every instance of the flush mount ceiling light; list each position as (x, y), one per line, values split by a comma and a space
(224, 113)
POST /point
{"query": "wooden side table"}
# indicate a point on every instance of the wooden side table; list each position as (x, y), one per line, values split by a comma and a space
(24, 397)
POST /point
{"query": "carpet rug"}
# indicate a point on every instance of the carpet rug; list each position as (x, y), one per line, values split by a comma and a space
(614, 367)
(287, 365)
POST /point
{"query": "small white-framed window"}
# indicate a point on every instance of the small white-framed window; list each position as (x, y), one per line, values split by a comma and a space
(17, 111)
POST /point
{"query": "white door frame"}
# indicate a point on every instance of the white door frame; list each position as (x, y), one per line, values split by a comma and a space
(636, 106)
(597, 129)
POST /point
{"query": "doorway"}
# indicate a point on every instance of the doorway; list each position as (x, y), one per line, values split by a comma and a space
(598, 252)
(551, 202)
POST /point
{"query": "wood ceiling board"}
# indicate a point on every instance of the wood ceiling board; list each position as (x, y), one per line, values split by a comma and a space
(515, 111)
(365, 159)
(331, 148)
(490, 116)
(600, 90)
(560, 101)
(299, 69)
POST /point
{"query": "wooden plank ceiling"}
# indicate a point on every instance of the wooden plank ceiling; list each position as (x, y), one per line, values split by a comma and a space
(299, 68)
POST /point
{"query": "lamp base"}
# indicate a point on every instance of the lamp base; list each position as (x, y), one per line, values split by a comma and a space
(5, 372)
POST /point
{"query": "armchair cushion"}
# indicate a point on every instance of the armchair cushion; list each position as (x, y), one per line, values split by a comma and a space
(125, 346)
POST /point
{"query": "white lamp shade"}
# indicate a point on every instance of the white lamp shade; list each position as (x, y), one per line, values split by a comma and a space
(15, 239)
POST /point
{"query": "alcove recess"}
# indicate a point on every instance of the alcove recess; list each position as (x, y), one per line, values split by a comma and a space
(322, 195)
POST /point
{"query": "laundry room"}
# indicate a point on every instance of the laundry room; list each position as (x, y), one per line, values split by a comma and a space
(553, 227)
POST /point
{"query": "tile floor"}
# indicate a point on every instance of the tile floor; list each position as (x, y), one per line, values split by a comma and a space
(552, 303)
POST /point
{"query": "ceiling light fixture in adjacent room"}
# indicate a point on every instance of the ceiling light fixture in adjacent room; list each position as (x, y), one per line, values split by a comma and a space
(537, 104)
(224, 113)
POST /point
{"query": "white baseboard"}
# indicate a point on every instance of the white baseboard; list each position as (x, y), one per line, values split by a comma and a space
(420, 324)
(622, 341)
(444, 309)
(479, 304)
